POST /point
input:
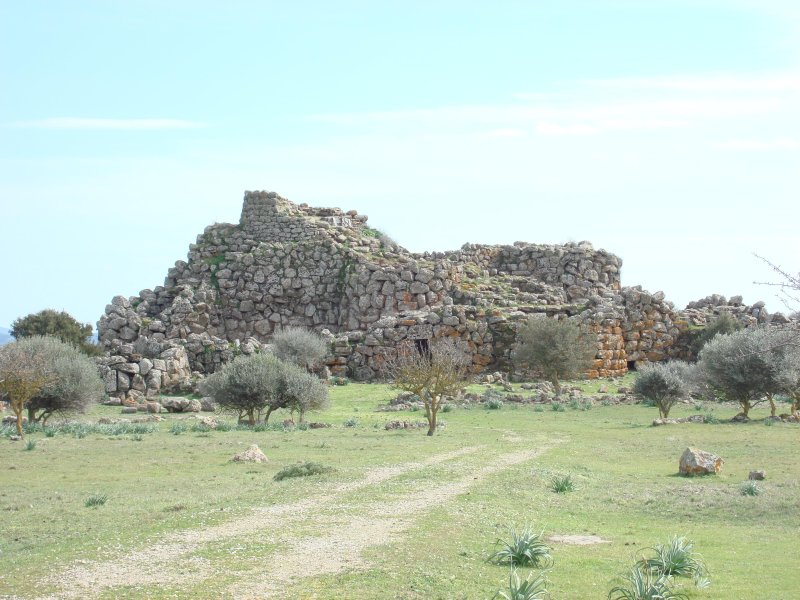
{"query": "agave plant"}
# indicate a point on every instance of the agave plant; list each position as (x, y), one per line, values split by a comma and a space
(525, 549)
(526, 589)
(677, 558)
(645, 584)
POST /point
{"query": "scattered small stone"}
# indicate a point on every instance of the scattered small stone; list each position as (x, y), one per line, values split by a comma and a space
(129, 410)
(578, 540)
(404, 425)
(689, 419)
(759, 475)
(315, 425)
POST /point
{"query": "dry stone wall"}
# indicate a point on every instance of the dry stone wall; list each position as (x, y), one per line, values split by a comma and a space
(323, 268)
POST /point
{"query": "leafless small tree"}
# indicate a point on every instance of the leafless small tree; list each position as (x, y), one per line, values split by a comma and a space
(441, 371)
(788, 289)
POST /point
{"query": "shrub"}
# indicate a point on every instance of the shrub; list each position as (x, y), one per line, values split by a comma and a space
(557, 349)
(527, 589)
(301, 470)
(351, 422)
(494, 404)
(95, 500)
(178, 428)
(663, 384)
(30, 445)
(750, 488)
(644, 584)
(60, 325)
(557, 407)
(447, 408)
(524, 549)
(299, 346)
(723, 324)
(561, 484)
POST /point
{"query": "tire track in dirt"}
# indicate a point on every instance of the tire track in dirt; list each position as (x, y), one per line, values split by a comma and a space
(340, 549)
(166, 562)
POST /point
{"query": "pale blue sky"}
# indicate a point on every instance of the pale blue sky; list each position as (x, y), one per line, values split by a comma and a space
(667, 132)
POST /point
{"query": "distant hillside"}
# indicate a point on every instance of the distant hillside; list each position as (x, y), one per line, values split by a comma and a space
(5, 336)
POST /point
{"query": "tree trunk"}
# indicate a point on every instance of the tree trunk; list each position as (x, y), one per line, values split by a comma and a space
(18, 412)
(432, 422)
(746, 409)
(772, 407)
(269, 412)
(251, 418)
(557, 385)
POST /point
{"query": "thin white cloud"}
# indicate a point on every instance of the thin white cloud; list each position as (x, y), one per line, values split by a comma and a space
(782, 82)
(760, 145)
(118, 124)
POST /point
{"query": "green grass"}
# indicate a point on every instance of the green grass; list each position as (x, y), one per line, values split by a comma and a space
(626, 492)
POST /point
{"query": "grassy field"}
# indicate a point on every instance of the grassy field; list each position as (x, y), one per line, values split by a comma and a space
(403, 515)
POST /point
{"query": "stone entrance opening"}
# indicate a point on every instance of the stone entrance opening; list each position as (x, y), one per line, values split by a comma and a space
(423, 347)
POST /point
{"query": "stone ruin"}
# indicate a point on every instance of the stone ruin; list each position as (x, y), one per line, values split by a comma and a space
(324, 269)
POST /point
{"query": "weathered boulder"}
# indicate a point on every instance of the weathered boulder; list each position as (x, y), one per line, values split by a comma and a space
(252, 454)
(209, 422)
(699, 462)
(759, 475)
(178, 404)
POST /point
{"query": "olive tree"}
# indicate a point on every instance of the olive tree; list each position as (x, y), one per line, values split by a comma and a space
(261, 384)
(23, 373)
(300, 346)
(663, 384)
(432, 375)
(44, 376)
(301, 391)
(744, 366)
(75, 384)
(245, 386)
(557, 349)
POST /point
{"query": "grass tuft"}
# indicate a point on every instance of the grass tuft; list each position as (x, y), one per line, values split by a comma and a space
(750, 488)
(95, 500)
(305, 469)
(561, 484)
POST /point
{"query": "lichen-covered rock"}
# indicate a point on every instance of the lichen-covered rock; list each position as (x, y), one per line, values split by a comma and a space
(699, 462)
(252, 454)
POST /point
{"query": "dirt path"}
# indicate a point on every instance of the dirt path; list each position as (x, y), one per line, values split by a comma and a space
(166, 562)
(341, 548)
